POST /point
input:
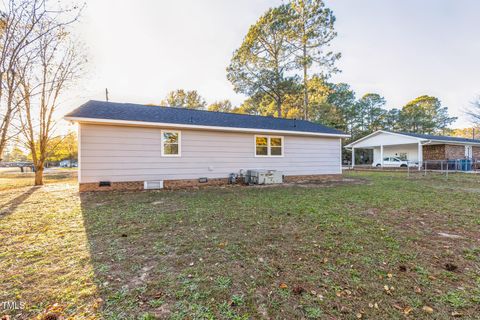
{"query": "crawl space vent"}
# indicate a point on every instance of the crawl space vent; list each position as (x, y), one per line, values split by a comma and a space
(152, 185)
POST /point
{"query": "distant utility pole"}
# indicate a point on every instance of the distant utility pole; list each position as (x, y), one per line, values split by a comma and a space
(473, 133)
(106, 94)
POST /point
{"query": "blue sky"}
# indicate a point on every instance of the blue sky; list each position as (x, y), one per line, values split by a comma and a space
(142, 49)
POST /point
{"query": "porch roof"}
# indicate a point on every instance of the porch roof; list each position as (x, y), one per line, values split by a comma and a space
(390, 138)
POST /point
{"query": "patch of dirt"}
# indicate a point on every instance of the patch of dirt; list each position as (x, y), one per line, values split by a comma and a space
(138, 281)
(317, 183)
(162, 312)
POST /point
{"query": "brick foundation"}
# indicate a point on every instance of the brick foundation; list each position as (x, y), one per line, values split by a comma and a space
(193, 183)
(115, 186)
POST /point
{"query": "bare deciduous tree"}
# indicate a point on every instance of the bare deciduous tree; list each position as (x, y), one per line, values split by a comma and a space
(20, 31)
(474, 112)
(17, 22)
(51, 66)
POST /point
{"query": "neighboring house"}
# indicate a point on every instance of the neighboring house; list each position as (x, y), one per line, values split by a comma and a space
(68, 163)
(416, 147)
(123, 145)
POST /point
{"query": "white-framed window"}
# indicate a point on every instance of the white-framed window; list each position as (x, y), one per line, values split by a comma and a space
(268, 146)
(171, 143)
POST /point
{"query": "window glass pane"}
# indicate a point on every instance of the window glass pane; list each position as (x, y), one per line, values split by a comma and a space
(261, 141)
(170, 137)
(386, 159)
(262, 151)
(276, 151)
(277, 142)
(170, 148)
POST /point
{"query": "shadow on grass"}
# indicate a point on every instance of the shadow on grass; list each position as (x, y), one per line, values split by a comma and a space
(122, 254)
(284, 252)
(11, 205)
(152, 258)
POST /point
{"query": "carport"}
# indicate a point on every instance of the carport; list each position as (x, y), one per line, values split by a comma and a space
(417, 148)
(389, 144)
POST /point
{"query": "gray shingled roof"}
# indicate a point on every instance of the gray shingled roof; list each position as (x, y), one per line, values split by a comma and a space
(137, 112)
(440, 138)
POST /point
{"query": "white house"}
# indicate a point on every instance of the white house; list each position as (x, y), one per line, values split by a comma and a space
(416, 147)
(122, 146)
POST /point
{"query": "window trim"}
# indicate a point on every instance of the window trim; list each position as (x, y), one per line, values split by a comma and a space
(179, 143)
(269, 153)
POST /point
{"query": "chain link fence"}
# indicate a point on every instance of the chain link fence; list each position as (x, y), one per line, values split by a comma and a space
(447, 166)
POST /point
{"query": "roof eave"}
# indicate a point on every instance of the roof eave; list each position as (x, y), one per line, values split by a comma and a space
(454, 142)
(352, 144)
(201, 127)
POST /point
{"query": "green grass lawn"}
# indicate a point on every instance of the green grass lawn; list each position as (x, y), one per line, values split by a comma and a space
(368, 248)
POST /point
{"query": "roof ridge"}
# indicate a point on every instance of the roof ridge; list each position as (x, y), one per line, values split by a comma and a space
(124, 111)
(200, 110)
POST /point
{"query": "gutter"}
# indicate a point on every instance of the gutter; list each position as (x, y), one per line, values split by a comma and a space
(457, 143)
(200, 127)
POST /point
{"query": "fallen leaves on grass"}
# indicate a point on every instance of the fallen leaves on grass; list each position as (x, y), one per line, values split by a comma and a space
(98, 303)
(298, 290)
(52, 316)
(52, 313)
(388, 289)
(342, 293)
(427, 309)
(373, 305)
(407, 310)
(283, 285)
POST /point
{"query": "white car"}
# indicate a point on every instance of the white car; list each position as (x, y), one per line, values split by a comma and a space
(393, 162)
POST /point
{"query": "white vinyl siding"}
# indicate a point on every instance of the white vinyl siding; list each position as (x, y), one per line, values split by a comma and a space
(127, 153)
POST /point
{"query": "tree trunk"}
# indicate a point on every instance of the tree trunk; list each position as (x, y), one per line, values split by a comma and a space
(305, 94)
(278, 103)
(305, 84)
(38, 176)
